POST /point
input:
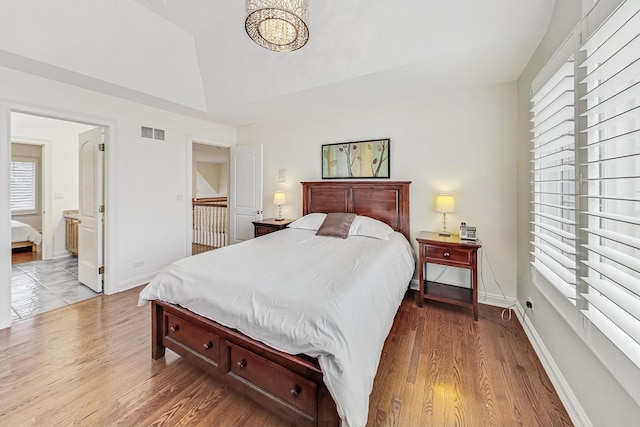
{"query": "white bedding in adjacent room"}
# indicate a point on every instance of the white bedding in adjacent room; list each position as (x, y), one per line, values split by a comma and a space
(21, 232)
(326, 297)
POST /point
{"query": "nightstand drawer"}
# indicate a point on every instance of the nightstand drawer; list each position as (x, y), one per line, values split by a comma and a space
(450, 256)
(262, 230)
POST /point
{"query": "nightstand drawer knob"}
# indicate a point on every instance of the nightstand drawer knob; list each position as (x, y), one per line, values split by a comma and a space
(174, 328)
(296, 391)
(446, 254)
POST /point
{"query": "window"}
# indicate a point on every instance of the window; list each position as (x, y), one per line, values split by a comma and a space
(24, 186)
(611, 179)
(553, 182)
(586, 190)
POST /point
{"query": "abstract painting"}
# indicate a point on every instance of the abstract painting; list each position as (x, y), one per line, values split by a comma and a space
(361, 159)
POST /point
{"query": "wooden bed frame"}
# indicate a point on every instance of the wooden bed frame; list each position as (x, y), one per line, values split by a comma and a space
(289, 385)
(25, 244)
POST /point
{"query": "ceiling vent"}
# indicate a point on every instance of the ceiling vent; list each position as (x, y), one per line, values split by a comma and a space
(151, 133)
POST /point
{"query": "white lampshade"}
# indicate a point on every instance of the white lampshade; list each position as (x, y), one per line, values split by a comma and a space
(279, 198)
(445, 203)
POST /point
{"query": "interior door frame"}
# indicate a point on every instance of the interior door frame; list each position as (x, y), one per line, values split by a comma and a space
(110, 191)
(194, 139)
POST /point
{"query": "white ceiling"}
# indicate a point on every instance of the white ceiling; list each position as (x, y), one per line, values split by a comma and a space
(360, 51)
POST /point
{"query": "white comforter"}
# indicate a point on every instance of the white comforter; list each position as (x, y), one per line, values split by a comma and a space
(326, 297)
(21, 232)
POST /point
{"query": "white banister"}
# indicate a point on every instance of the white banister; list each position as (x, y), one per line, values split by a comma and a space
(210, 224)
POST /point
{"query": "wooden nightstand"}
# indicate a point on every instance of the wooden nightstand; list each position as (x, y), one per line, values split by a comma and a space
(266, 226)
(452, 251)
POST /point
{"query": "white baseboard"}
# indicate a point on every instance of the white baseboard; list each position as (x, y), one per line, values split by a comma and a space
(61, 254)
(569, 400)
(132, 283)
(497, 300)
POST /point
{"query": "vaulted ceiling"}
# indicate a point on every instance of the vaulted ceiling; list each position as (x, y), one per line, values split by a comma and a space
(194, 57)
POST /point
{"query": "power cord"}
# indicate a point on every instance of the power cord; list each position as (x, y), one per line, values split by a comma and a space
(482, 256)
(441, 273)
(507, 310)
(506, 313)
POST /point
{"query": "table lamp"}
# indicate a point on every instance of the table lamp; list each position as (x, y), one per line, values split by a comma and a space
(445, 205)
(279, 199)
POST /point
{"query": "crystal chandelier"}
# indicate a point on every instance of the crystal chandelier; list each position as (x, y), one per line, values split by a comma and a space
(278, 25)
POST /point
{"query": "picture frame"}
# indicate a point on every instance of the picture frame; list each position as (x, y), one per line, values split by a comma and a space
(368, 159)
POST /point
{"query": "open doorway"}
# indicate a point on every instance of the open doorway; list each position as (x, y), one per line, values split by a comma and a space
(51, 279)
(26, 200)
(209, 197)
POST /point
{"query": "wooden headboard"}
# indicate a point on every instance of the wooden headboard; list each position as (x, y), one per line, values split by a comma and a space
(385, 201)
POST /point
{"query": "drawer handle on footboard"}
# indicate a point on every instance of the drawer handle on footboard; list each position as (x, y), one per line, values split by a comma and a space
(241, 364)
(446, 254)
(207, 345)
(174, 328)
(296, 391)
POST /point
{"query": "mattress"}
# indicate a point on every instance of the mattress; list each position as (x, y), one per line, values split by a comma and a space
(330, 298)
(21, 232)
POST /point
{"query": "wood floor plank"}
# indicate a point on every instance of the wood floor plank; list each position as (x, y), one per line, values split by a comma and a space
(90, 364)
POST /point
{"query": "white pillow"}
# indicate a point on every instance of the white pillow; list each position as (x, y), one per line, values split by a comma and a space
(312, 221)
(369, 227)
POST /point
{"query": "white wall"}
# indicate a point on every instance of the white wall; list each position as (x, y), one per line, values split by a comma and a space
(460, 142)
(147, 194)
(62, 185)
(592, 395)
(212, 179)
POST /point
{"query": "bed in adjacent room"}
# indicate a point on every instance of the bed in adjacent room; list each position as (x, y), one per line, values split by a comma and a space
(23, 235)
(295, 320)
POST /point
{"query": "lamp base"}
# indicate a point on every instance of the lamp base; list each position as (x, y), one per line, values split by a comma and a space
(444, 233)
(279, 219)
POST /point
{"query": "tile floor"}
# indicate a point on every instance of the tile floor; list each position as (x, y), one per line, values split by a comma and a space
(40, 286)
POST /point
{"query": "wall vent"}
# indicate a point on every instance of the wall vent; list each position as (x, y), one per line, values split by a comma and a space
(152, 133)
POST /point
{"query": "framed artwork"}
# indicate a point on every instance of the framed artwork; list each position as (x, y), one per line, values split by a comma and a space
(361, 159)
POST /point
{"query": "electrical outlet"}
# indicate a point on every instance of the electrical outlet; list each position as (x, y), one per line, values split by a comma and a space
(529, 303)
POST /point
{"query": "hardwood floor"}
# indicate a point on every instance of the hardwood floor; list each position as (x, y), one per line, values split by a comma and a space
(22, 256)
(197, 248)
(90, 364)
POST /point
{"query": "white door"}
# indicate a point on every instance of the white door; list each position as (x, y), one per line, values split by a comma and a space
(245, 192)
(90, 228)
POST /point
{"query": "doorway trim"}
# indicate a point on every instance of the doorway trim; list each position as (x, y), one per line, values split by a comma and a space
(194, 139)
(110, 190)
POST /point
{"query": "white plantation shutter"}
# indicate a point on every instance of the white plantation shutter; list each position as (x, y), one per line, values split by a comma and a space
(553, 181)
(23, 185)
(611, 174)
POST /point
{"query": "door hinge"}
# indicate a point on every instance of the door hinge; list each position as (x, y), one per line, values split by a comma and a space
(101, 270)
(101, 208)
(100, 147)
